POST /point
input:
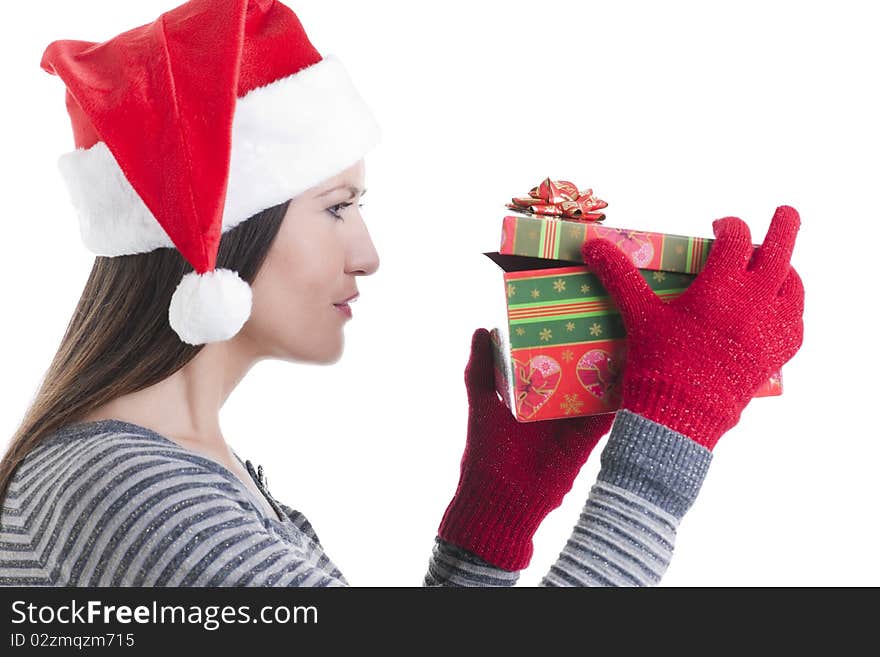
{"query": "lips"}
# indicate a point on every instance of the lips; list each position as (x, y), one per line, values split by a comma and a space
(345, 301)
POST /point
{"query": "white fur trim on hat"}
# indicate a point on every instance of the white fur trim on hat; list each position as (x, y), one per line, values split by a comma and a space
(209, 307)
(287, 136)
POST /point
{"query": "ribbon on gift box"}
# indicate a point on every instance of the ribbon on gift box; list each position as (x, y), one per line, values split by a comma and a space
(560, 198)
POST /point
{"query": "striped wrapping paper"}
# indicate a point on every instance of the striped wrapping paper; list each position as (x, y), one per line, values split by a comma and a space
(561, 239)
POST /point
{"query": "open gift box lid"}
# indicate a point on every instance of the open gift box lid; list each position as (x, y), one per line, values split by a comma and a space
(552, 238)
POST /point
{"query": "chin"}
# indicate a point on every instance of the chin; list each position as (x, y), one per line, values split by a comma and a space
(337, 354)
(325, 354)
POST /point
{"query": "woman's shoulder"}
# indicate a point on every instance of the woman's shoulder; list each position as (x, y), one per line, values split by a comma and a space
(105, 455)
(107, 430)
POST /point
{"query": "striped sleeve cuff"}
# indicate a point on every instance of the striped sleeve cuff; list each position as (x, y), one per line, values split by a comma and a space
(619, 540)
(625, 535)
(451, 565)
(661, 466)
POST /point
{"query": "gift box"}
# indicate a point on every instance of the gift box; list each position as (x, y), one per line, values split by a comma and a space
(560, 350)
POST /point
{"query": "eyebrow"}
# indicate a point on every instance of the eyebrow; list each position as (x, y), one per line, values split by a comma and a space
(352, 190)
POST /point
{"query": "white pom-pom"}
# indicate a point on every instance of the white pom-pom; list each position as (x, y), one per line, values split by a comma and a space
(209, 307)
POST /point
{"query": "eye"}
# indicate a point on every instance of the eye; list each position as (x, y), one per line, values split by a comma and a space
(335, 209)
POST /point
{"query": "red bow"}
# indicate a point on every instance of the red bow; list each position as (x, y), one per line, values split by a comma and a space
(560, 198)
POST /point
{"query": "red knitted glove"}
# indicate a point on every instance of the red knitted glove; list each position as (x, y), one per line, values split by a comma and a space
(694, 362)
(512, 473)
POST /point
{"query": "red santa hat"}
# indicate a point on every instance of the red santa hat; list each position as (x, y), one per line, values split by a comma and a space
(189, 125)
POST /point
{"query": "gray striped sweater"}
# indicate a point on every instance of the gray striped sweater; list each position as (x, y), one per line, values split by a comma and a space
(110, 503)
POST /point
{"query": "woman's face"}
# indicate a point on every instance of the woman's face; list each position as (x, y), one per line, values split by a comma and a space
(312, 265)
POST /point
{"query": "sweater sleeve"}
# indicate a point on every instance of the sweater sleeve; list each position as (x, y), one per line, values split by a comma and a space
(650, 477)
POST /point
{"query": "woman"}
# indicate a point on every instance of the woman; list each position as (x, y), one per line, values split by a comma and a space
(119, 474)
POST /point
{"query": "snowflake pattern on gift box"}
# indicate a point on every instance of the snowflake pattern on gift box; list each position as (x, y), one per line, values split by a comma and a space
(571, 404)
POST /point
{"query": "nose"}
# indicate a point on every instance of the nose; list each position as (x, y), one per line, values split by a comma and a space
(364, 259)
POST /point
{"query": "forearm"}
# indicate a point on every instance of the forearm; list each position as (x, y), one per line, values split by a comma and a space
(625, 534)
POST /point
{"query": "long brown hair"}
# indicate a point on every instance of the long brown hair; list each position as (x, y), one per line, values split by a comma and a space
(119, 340)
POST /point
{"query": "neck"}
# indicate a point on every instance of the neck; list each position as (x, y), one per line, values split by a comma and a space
(185, 407)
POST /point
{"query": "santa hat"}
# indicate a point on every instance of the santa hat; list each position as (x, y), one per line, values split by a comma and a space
(189, 125)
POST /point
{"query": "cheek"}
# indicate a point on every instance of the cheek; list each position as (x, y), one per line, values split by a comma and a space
(285, 287)
(294, 290)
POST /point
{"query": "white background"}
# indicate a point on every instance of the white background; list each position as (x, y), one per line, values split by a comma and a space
(674, 113)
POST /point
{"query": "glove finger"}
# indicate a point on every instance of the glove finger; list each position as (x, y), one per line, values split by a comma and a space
(732, 247)
(773, 256)
(789, 328)
(626, 285)
(479, 374)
